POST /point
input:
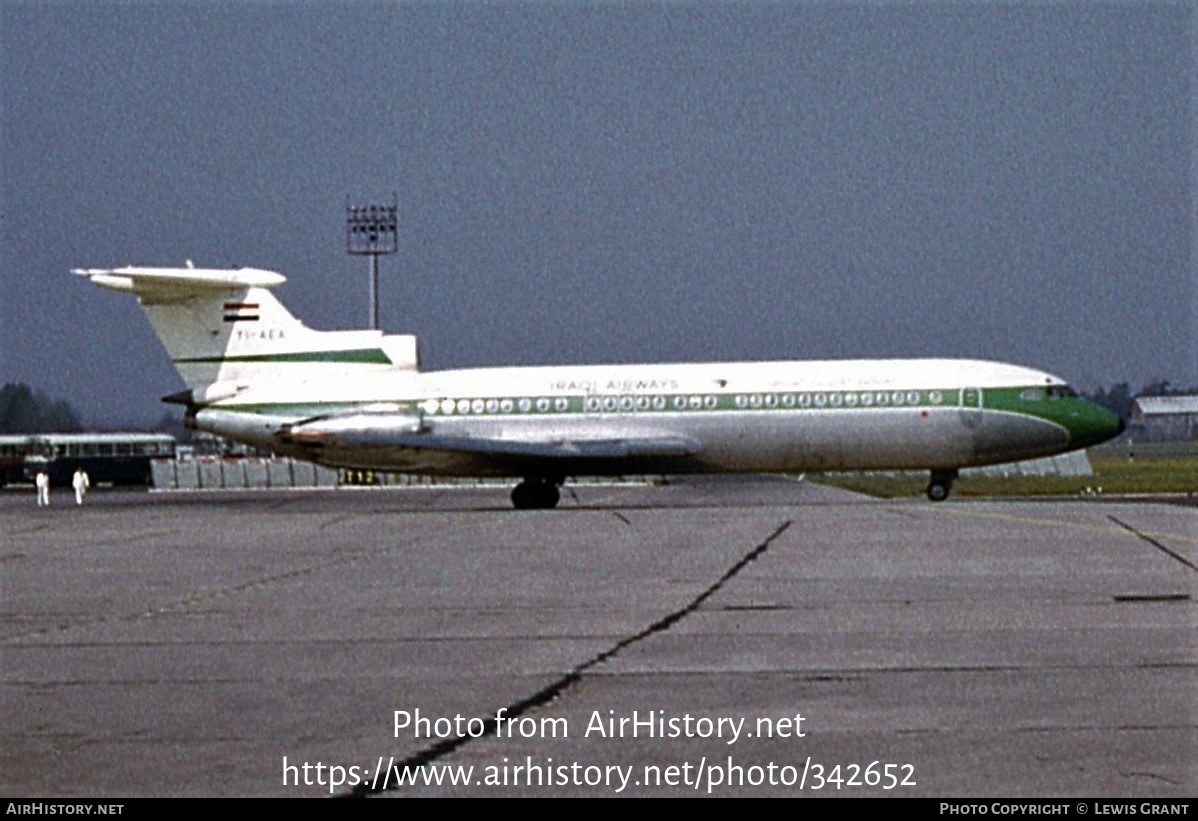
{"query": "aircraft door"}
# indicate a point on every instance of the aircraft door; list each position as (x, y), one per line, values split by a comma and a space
(971, 407)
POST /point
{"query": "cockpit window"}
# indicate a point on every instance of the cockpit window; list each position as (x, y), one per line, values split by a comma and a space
(1061, 392)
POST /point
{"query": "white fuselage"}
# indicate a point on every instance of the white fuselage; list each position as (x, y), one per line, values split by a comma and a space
(744, 417)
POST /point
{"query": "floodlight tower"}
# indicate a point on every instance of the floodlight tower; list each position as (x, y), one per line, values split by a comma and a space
(372, 230)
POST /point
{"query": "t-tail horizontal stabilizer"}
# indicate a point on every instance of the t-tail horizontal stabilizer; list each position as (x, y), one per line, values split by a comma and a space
(181, 282)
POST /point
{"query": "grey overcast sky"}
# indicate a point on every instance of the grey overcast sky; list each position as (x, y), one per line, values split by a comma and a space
(611, 182)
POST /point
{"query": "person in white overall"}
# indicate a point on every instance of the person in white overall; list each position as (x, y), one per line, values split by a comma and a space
(81, 483)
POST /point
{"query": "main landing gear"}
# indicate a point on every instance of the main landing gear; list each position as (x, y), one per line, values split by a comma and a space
(941, 484)
(536, 493)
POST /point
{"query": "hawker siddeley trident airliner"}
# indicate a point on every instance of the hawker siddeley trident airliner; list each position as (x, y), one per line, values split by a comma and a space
(358, 399)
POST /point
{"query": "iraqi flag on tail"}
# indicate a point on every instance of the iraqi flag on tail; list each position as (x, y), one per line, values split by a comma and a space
(241, 312)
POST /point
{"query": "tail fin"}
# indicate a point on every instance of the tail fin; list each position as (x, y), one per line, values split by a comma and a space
(224, 330)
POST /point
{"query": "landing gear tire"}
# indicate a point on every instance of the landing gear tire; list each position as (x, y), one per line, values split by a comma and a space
(535, 494)
(941, 485)
(938, 491)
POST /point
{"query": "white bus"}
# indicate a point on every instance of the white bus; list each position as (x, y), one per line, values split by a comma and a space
(116, 458)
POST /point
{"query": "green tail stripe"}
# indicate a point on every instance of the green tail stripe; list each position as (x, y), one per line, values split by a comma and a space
(363, 356)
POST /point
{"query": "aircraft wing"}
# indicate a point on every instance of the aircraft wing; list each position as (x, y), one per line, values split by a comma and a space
(401, 432)
(626, 448)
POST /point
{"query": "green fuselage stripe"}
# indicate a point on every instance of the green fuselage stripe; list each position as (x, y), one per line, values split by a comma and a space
(362, 356)
(1057, 410)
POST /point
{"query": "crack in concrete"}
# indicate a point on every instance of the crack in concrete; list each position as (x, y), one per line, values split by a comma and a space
(1170, 553)
(556, 688)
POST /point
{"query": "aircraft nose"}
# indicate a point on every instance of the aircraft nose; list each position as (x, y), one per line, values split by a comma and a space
(1093, 424)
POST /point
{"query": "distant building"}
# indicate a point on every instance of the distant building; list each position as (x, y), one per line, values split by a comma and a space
(1154, 418)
